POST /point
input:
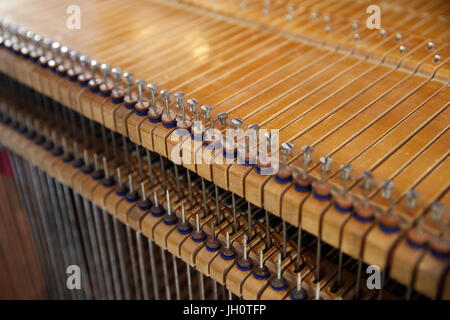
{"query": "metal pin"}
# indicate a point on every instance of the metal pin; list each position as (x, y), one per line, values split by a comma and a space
(402, 49)
(163, 172)
(105, 168)
(206, 111)
(140, 84)
(130, 80)
(153, 89)
(150, 170)
(165, 96)
(74, 55)
(177, 281)
(117, 75)
(412, 196)
(325, 163)
(83, 62)
(188, 273)
(318, 254)
(437, 58)
(144, 196)
(202, 286)
(214, 286)
(125, 151)
(268, 238)
(245, 247)
(237, 123)
(130, 183)
(307, 151)
(387, 186)
(205, 206)
(106, 68)
(183, 214)
(139, 160)
(235, 223)
(227, 241)
(94, 65)
(299, 281)
(213, 233)
(142, 267)
(318, 291)
(153, 266)
(86, 157)
(169, 209)
(155, 199)
(189, 183)
(197, 222)
(279, 266)
(177, 183)
(437, 209)
(249, 218)
(345, 175)
(192, 105)
(119, 177)
(165, 273)
(179, 96)
(216, 194)
(261, 259)
(299, 250)
(212, 130)
(431, 45)
(222, 118)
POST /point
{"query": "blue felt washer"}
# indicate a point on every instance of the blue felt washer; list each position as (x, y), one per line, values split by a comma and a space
(283, 181)
(302, 189)
(279, 289)
(212, 249)
(361, 219)
(342, 210)
(260, 277)
(198, 240)
(185, 231)
(170, 125)
(415, 245)
(224, 257)
(170, 222)
(387, 230)
(243, 268)
(322, 198)
(141, 113)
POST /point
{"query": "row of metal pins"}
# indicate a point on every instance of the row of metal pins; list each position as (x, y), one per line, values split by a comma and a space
(204, 200)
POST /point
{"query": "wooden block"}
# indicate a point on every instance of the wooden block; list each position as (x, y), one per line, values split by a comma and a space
(146, 131)
(97, 104)
(353, 237)
(378, 246)
(430, 274)
(333, 222)
(404, 261)
(135, 217)
(117, 118)
(133, 123)
(160, 135)
(123, 208)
